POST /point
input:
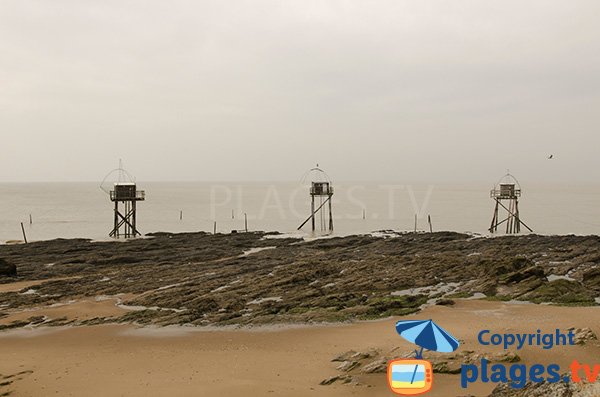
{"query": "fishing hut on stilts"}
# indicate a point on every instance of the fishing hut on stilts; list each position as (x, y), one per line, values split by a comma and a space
(125, 195)
(506, 194)
(321, 192)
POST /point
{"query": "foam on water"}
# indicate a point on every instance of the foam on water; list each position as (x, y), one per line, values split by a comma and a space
(256, 250)
(554, 277)
(440, 288)
(263, 300)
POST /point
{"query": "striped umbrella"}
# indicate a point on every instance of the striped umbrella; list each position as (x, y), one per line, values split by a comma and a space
(427, 335)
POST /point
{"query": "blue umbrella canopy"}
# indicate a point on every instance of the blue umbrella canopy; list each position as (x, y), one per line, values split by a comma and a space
(427, 335)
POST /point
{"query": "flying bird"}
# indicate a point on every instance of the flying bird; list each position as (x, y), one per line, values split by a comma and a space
(551, 157)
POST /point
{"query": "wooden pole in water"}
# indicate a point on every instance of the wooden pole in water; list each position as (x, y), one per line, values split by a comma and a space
(312, 216)
(232, 216)
(330, 216)
(415, 223)
(363, 213)
(23, 230)
(180, 214)
(215, 228)
(30, 220)
(312, 212)
(246, 222)
(430, 226)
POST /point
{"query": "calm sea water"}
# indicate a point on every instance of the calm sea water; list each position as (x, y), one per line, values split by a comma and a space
(83, 210)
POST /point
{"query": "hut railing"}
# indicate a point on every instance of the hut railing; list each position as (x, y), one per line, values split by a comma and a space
(139, 195)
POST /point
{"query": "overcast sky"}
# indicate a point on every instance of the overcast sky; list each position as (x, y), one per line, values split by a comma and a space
(418, 90)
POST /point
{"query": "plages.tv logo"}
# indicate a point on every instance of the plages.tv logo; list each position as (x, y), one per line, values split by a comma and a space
(409, 377)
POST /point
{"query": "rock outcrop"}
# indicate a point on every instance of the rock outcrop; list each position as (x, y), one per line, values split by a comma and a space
(232, 279)
(7, 269)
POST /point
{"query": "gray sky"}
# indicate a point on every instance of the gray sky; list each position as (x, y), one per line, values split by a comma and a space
(418, 90)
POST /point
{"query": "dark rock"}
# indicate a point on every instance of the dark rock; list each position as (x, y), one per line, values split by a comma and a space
(583, 335)
(530, 273)
(560, 291)
(443, 367)
(352, 355)
(339, 378)
(7, 269)
(487, 287)
(591, 279)
(509, 266)
(445, 302)
(14, 324)
(375, 367)
(348, 366)
(520, 282)
(329, 381)
(504, 357)
(35, 320)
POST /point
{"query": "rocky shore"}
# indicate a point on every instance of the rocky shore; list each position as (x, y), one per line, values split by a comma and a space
(248, 279)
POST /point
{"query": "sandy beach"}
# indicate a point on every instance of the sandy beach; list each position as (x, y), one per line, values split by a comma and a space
(125, 360)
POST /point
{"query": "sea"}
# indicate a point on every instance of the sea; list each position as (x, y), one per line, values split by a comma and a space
(84, 210)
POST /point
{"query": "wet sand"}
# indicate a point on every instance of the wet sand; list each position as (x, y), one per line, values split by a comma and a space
(115, 360)
(20, 285)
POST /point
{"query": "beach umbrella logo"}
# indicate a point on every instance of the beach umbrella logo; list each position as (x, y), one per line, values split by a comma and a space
(415, 376)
